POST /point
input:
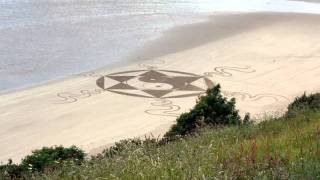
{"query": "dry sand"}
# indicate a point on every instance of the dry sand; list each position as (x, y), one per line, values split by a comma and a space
(264, 60)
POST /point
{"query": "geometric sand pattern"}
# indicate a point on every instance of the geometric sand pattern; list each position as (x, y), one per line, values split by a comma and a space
(155, 83)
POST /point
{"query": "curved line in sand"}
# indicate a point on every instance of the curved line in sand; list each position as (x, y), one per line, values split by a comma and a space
(169, 109)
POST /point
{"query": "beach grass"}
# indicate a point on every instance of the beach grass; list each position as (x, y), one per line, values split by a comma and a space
(280, 148)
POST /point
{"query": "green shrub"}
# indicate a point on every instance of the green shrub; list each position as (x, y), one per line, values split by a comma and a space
(40, 160)
(11, 171)
(121, 146)
(127, 144)
(211, 110)
(51, 156)
(304, 103)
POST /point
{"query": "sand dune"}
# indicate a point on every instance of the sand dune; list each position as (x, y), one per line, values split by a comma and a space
(264, 60)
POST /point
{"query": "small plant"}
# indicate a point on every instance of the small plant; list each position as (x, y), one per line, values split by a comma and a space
(51, 156)
(211, 110)
(304, 103)
(40, 160)
(10, 170)
(121, 146)
(128, 144)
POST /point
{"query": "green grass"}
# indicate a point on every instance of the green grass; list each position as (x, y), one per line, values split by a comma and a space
(278, 149)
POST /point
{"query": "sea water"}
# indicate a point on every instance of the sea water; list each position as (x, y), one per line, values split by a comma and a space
(43, 40)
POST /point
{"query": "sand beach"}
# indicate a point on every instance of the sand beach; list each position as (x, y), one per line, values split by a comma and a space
(264, 60)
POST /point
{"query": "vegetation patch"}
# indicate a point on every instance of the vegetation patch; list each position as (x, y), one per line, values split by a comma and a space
(304, 103)
(45, 159)
(211, 110)
(279, 148)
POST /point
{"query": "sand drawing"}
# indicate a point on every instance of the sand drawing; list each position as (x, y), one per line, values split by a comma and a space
(70, 97)
(163, 86)
(163, 107)
(225, 71)
(91, 74)
(155, 83)
(244, 96)
(153, 64)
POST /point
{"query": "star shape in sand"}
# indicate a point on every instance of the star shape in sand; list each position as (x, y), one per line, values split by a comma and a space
(156, 84)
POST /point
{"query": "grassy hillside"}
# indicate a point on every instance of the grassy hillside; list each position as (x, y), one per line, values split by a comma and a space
(209, 142)
(278, 148)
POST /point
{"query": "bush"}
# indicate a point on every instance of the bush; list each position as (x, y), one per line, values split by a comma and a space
(304, 103)
(124, 145)
(118, 147)
(211, 110)
(11, 171)
(40, 160)
(51, 156)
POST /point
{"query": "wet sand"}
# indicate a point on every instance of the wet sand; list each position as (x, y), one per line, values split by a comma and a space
(264, 60)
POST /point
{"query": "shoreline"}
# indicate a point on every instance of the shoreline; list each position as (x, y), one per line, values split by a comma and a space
(60, 45)
(239, 44)
(149, 49)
